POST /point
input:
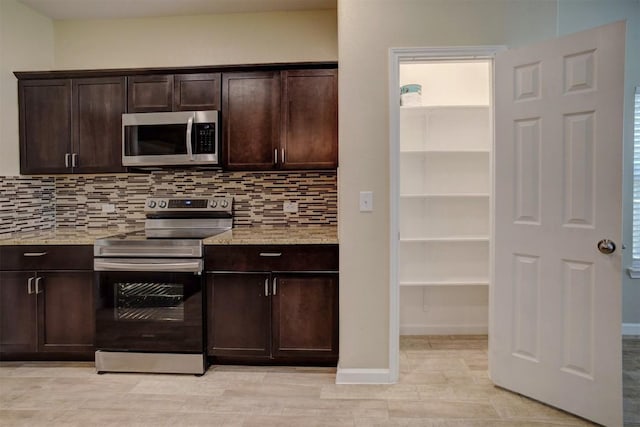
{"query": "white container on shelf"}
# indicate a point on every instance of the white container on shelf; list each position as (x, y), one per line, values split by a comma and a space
(411, 95)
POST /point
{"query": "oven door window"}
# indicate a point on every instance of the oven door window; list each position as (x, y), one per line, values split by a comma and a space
(149, 311)
(156, 301)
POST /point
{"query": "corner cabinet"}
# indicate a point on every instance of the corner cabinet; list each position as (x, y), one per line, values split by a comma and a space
(280, 120)
(71, 125)
(46, 302)
(445, 181)
(272, 304)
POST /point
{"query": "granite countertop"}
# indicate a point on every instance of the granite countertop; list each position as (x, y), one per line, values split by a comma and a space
(237, 236)
(276, 236)
(58, 236)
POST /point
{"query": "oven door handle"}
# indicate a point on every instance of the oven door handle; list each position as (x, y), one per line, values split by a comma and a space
(177, 266)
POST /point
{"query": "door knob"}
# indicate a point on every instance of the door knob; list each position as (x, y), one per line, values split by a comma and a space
(606, 246)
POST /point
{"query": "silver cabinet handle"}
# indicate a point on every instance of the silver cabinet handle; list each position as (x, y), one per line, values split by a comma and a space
(282, 156)
(266, 287)
(34, 254)
(67, 160)
(275, 286)
(275, 153)
(38, 280)
(74, 160)
(188, 142)
(30, 285)
(273, 254)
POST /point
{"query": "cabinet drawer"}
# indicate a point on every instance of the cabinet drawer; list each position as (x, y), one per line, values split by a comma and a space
(46, 257)
(271, 258)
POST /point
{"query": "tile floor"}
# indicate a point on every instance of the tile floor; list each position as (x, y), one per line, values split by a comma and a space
(631, 380)
(443, 382)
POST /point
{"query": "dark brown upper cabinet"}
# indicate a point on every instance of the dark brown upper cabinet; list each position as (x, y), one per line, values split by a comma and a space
(251, 120)
(45, 126)
(71, 125)
(168, 92)
(309, 119)
(196, 92)
(280, 120)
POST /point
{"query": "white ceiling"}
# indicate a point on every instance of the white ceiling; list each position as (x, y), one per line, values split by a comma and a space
(109, 9)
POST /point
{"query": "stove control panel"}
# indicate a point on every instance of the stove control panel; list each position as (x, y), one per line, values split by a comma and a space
(189, 204)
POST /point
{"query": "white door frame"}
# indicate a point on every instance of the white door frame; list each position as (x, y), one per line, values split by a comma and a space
(397, 56)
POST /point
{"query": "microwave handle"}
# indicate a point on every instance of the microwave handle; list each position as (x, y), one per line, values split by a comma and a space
(188, 140)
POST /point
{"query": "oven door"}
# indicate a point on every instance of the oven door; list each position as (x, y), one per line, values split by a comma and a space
(139, 307)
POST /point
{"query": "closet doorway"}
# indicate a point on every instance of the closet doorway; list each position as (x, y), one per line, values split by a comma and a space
(445, 196)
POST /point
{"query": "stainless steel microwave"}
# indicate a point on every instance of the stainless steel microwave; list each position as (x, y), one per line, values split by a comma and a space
(180, 138)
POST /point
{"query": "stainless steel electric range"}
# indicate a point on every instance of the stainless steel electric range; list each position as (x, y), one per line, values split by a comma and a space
(149, 303)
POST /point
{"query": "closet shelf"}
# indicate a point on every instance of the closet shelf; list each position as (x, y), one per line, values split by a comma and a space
(453, 239)
(433, 195)
(442, 151)
(440, 107)
(447, 283)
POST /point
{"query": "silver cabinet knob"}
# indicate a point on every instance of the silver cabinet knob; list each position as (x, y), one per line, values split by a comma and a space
(606, 246)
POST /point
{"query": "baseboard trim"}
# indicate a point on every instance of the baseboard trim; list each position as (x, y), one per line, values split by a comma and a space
(444, 329)
(363, 376)
(631, 329)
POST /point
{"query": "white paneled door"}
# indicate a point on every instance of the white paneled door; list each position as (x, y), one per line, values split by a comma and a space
(556, 297)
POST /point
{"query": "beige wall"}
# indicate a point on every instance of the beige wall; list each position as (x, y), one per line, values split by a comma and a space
(239, 38)
(366, 31)
(26, 43)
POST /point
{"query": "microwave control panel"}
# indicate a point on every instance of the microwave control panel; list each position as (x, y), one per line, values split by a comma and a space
(205, 138)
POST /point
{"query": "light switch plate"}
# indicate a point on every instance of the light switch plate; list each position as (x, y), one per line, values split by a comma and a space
(290, 207)
(366, 201)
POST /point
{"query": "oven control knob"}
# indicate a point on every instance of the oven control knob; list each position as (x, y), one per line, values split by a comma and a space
(162, 204)
(213, 203)
(152, 204)
(224, 204)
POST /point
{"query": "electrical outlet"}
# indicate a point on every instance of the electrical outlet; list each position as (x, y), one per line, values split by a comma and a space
(290, 207)
(108, 208)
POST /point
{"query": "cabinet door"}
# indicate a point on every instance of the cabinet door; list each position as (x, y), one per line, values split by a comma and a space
(45, 126)
(149, 93)
(18, 325)
(238, 315)
(251, 120)
(65, 311)
(305, 316)
(309, 119)
(97, 107)
(193, 92)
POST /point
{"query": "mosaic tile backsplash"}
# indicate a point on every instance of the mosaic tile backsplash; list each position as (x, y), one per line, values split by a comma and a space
(76, 201)
(27, 204)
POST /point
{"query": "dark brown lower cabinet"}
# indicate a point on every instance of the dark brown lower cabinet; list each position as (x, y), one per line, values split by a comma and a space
(18, 313)
(46, 302)
(238, 315)
(273, 317)
(46, 312)
(305, 316)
